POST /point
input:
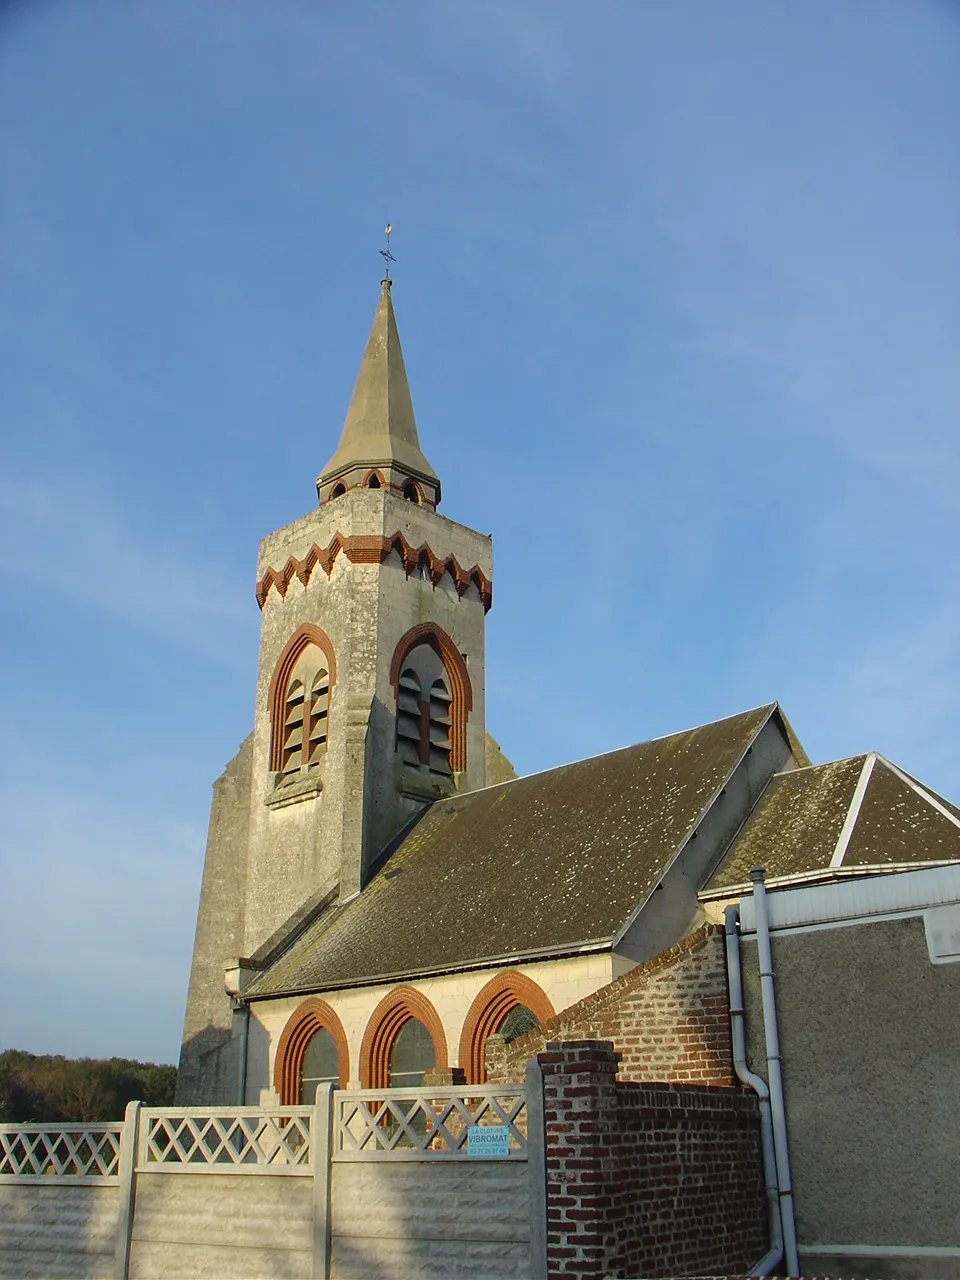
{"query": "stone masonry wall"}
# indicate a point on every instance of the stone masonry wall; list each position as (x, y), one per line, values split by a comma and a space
(647, 1179)
(668, 1018)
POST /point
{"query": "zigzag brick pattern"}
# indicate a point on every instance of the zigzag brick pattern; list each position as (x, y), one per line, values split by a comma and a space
(373, 549)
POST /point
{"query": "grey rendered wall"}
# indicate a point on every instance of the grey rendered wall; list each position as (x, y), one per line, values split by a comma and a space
(870, 1040)
(441, 1220)
(223, 1226)
(57, 1231)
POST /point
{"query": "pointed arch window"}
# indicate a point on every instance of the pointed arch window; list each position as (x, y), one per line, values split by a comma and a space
(300, 692)
(403, 1039)
(423, 712)
(305, 716)
(434, 699)
(510, 1004)
(312, 1050)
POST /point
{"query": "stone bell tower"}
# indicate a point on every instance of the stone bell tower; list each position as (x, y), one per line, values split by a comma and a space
(369, 702)
(370, 693)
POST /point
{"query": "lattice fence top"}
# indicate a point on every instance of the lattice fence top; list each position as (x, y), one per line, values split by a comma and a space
(427, 1124)
(90, 1152)
(224, 1141)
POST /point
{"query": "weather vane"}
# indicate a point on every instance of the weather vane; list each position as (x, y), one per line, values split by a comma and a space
(385, 254)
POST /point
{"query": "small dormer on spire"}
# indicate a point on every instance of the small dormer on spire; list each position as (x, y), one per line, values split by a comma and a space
(379, 446)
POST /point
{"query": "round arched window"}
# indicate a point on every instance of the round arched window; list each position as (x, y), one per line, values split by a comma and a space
(338, 491)
(518, 1022)
(411, 1055)
(320, 1064)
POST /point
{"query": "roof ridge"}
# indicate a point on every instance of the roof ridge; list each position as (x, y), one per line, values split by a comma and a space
(853, 810)
(824, 764)
(630, 746)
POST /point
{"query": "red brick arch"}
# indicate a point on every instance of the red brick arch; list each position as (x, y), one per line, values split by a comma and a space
(309, 1017)
(490, 1006)
(460, 688)
(304, 635)
(396, 1008)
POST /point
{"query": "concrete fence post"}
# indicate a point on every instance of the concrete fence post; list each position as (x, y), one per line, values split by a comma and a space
(126, 1189)
(321, 1138)
(536, 1171)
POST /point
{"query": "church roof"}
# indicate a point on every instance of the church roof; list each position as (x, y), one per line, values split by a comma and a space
(844, 818)
(547, 864)
(380, 428)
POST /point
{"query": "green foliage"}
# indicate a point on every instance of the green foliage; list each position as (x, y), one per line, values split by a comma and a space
(51, 1088)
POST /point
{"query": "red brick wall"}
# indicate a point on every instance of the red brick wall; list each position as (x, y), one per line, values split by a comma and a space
(668, 1018)
(647, 1179)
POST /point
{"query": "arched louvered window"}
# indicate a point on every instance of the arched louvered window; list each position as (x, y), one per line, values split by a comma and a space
(305, 711)
(423, 712)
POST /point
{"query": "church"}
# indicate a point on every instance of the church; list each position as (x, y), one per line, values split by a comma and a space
(381, 893)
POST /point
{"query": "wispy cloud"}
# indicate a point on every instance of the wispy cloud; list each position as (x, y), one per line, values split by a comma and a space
(65, 531)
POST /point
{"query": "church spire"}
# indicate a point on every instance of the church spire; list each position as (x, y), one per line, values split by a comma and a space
(379, 446)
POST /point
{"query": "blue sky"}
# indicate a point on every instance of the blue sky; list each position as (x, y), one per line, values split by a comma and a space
(679, 292)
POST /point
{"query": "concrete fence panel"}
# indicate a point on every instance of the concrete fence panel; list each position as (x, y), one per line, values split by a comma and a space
(51, 1230)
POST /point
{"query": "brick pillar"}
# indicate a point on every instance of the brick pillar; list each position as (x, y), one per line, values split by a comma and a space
(580, 1130)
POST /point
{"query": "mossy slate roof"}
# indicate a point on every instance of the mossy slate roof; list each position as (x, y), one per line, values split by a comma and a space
(798, 825)
(543, 865)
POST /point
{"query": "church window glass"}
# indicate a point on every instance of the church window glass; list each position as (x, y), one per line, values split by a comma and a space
(518, 1022)
(320, 1064)
(411, 1055)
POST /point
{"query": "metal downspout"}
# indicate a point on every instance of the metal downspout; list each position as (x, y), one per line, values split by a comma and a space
(758, 1085)
(777, 1109)
(241, 1005)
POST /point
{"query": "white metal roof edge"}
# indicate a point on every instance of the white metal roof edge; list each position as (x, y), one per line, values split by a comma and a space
(848, 899)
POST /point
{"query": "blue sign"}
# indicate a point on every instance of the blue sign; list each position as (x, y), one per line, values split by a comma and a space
(488, 1140)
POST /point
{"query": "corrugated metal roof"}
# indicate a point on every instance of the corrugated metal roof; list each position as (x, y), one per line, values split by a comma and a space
(548, 863)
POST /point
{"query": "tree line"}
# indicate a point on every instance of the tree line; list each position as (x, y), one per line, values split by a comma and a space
(49, 1088)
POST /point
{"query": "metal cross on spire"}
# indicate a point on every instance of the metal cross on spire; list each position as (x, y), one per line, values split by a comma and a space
(385, 254)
